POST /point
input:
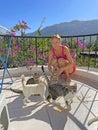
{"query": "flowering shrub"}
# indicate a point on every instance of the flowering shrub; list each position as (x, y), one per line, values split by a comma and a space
(30, 51)
(21, 27)
(29, 64)
(81, 44)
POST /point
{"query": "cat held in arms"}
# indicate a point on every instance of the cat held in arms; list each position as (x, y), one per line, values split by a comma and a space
(32, 89)
(58, 89)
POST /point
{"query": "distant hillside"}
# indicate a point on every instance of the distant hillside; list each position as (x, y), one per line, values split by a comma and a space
(75, 27)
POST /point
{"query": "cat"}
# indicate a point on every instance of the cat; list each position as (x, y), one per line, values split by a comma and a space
(54, 77)
(57, 89)
(34, 79)
(31, 89)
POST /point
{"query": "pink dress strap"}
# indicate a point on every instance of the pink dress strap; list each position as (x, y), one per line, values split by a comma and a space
(63, 55)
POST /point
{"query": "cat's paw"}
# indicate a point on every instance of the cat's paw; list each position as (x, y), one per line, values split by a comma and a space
(28, 101)
(49, 98)
(68, 104)
(24, 103)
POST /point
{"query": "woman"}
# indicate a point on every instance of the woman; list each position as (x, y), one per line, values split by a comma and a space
(60, 57)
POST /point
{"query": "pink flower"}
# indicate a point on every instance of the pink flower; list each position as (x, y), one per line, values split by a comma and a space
(40, 55)
(30, 64)
(32, 48)
(23, 22)
(12, 53)
(81, 44)
(73, 55)
(17, 47)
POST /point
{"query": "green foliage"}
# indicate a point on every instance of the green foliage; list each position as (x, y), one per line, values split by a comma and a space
(29, 51)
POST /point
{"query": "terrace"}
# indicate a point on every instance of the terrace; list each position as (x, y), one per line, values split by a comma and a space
(28, 51)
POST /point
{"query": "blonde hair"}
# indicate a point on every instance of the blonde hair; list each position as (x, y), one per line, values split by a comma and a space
(56, 36)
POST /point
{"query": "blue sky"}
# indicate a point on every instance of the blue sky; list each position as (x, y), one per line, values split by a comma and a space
(54, 11)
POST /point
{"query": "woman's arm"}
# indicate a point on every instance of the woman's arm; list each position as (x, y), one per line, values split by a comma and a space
(50, 58)
(68, 55)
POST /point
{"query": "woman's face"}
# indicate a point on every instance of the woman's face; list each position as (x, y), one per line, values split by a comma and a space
(55, 42)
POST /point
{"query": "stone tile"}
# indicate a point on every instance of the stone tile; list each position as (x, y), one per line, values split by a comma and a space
(38, 115)
(93, 126)
(73, 123)
(58, 119)
(96, 96)
(95, 108)
(30, 117)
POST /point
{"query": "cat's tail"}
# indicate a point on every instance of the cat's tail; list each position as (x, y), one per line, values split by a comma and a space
(45, 75)
(23, 81)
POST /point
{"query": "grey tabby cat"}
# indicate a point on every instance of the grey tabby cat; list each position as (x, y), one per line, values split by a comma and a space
(54, 77)
(57, 89)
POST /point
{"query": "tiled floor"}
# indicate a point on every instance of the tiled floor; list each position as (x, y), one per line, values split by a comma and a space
(38, 115)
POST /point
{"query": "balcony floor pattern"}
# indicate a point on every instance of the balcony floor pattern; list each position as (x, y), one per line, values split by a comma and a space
(38, 115)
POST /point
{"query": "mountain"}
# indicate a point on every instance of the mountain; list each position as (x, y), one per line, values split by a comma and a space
(72, 28)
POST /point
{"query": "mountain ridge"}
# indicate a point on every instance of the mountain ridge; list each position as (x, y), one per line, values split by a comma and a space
(74, 27)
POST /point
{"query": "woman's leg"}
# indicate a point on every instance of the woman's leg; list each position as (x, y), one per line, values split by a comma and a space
(62, 63)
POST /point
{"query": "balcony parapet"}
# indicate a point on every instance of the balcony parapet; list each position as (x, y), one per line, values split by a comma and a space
(85, 76)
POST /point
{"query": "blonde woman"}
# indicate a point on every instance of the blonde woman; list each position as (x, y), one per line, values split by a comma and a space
(60, 57)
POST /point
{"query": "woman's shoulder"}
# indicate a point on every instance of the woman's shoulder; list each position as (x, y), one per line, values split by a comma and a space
(65, 47)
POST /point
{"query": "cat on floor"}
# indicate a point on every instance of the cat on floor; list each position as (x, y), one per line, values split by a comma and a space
(54, 77)
(32, 89)
(35, 79)
(57, 89)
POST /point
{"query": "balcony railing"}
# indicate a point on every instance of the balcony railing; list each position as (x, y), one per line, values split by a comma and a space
(29, 50)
